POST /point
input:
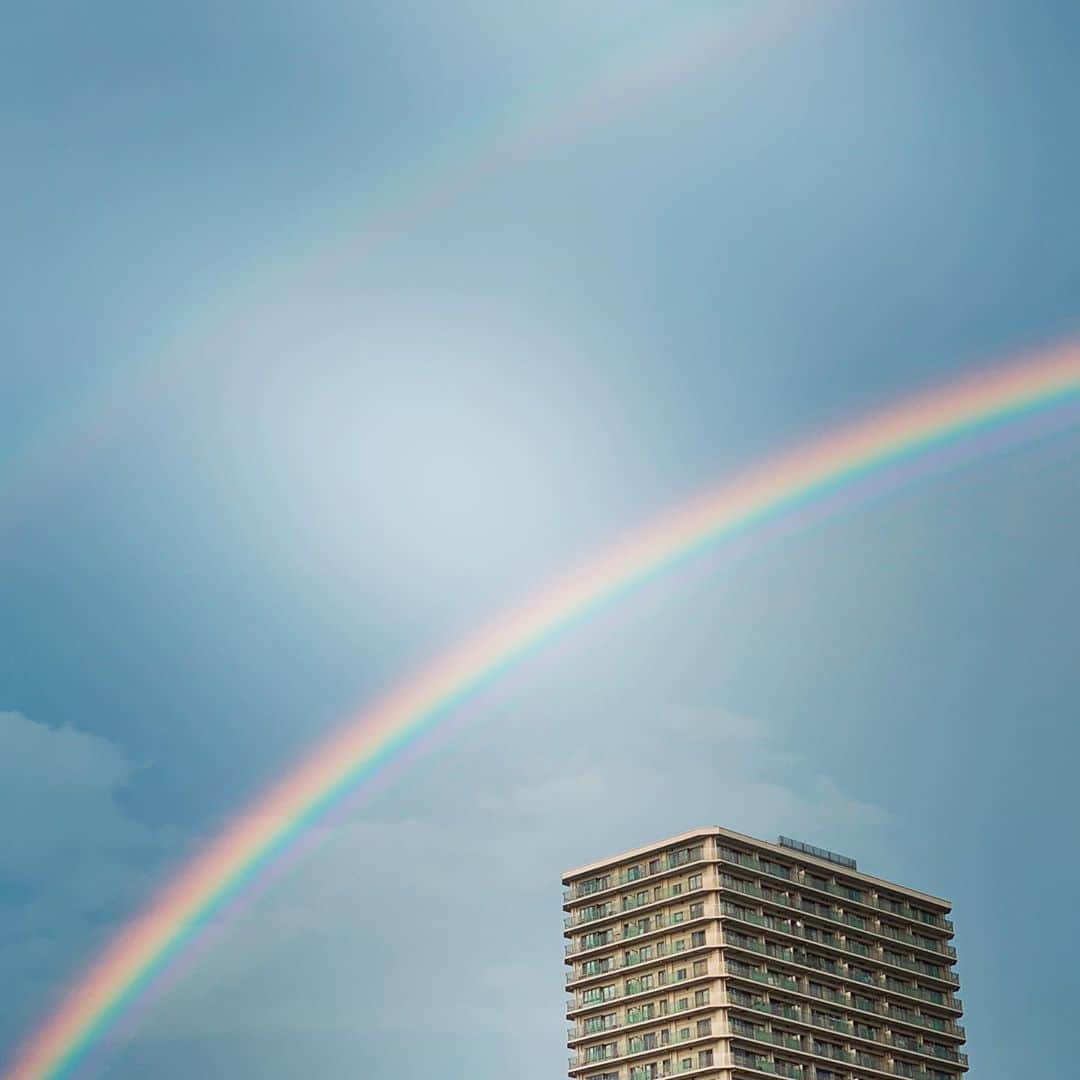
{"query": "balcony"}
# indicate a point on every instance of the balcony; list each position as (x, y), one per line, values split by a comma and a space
(669, 862)
(751, 862)
(632, 933)
(665, 1009)
(609, 909)
(766, 978)
(879, 1064)
(587, 915)
(929, 971)
(804, 1015)
(662, 956)
(636, 993)
(864, 898)
(906, 911)
(927, 944)
(853, 894)
(876, 955)
(587, 1057)
(632, 903)
(760, 1063)
(692, 922)
(848, 1000)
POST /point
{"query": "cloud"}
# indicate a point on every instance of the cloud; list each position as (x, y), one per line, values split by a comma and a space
(373, 918)
(72, 863)
(465, 891)
(457, 885)
(69, 836)
(669, 769)
(707, 723)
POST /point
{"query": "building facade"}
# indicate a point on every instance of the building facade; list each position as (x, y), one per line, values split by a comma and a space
(715, 955)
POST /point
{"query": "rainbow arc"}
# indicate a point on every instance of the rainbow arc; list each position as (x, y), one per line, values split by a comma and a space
(970, 416)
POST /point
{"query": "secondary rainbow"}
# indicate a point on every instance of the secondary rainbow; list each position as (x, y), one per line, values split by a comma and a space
(660, 52)
(1013, 400)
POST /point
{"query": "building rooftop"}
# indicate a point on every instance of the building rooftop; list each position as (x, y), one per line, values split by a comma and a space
(806, 855)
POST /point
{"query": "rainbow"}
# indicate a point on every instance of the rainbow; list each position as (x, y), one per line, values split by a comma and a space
(1012, 400)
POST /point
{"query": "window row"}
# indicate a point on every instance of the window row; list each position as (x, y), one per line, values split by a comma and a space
(795, 1040)
(857, 893)
(781, 1066)
(631, 901)
(651, 1040)
(843, 996)
(598, 995)
(661, 863)
(810, 905)
(844, 1025)
(642, 925)
(843, 942)
(642, 955)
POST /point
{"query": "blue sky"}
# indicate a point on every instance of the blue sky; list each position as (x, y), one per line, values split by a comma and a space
(306, 374)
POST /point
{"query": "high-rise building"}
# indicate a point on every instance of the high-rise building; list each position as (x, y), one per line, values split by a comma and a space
(715, 955)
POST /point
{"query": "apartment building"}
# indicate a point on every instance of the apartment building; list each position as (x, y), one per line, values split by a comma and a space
(714, 955)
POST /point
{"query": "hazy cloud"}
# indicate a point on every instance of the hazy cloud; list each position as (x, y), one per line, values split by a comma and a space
(72, 862)
(470, 893)
(69, 834)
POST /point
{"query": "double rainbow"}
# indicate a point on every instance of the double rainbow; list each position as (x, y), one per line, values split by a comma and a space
(926, 432)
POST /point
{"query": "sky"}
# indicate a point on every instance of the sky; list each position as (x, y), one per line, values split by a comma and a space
(333, 328)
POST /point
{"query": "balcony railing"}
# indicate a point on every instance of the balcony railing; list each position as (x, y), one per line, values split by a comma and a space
(847, 999)
(929, 944)
(941, 999)
(728, 883)
(855, 1057)
(784, 926)
(905, 911)
(633, 1046)
(854, 895)
(669, 860)
(610, 910)
(662, 954)
(633, 1017)
(835, 1026)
